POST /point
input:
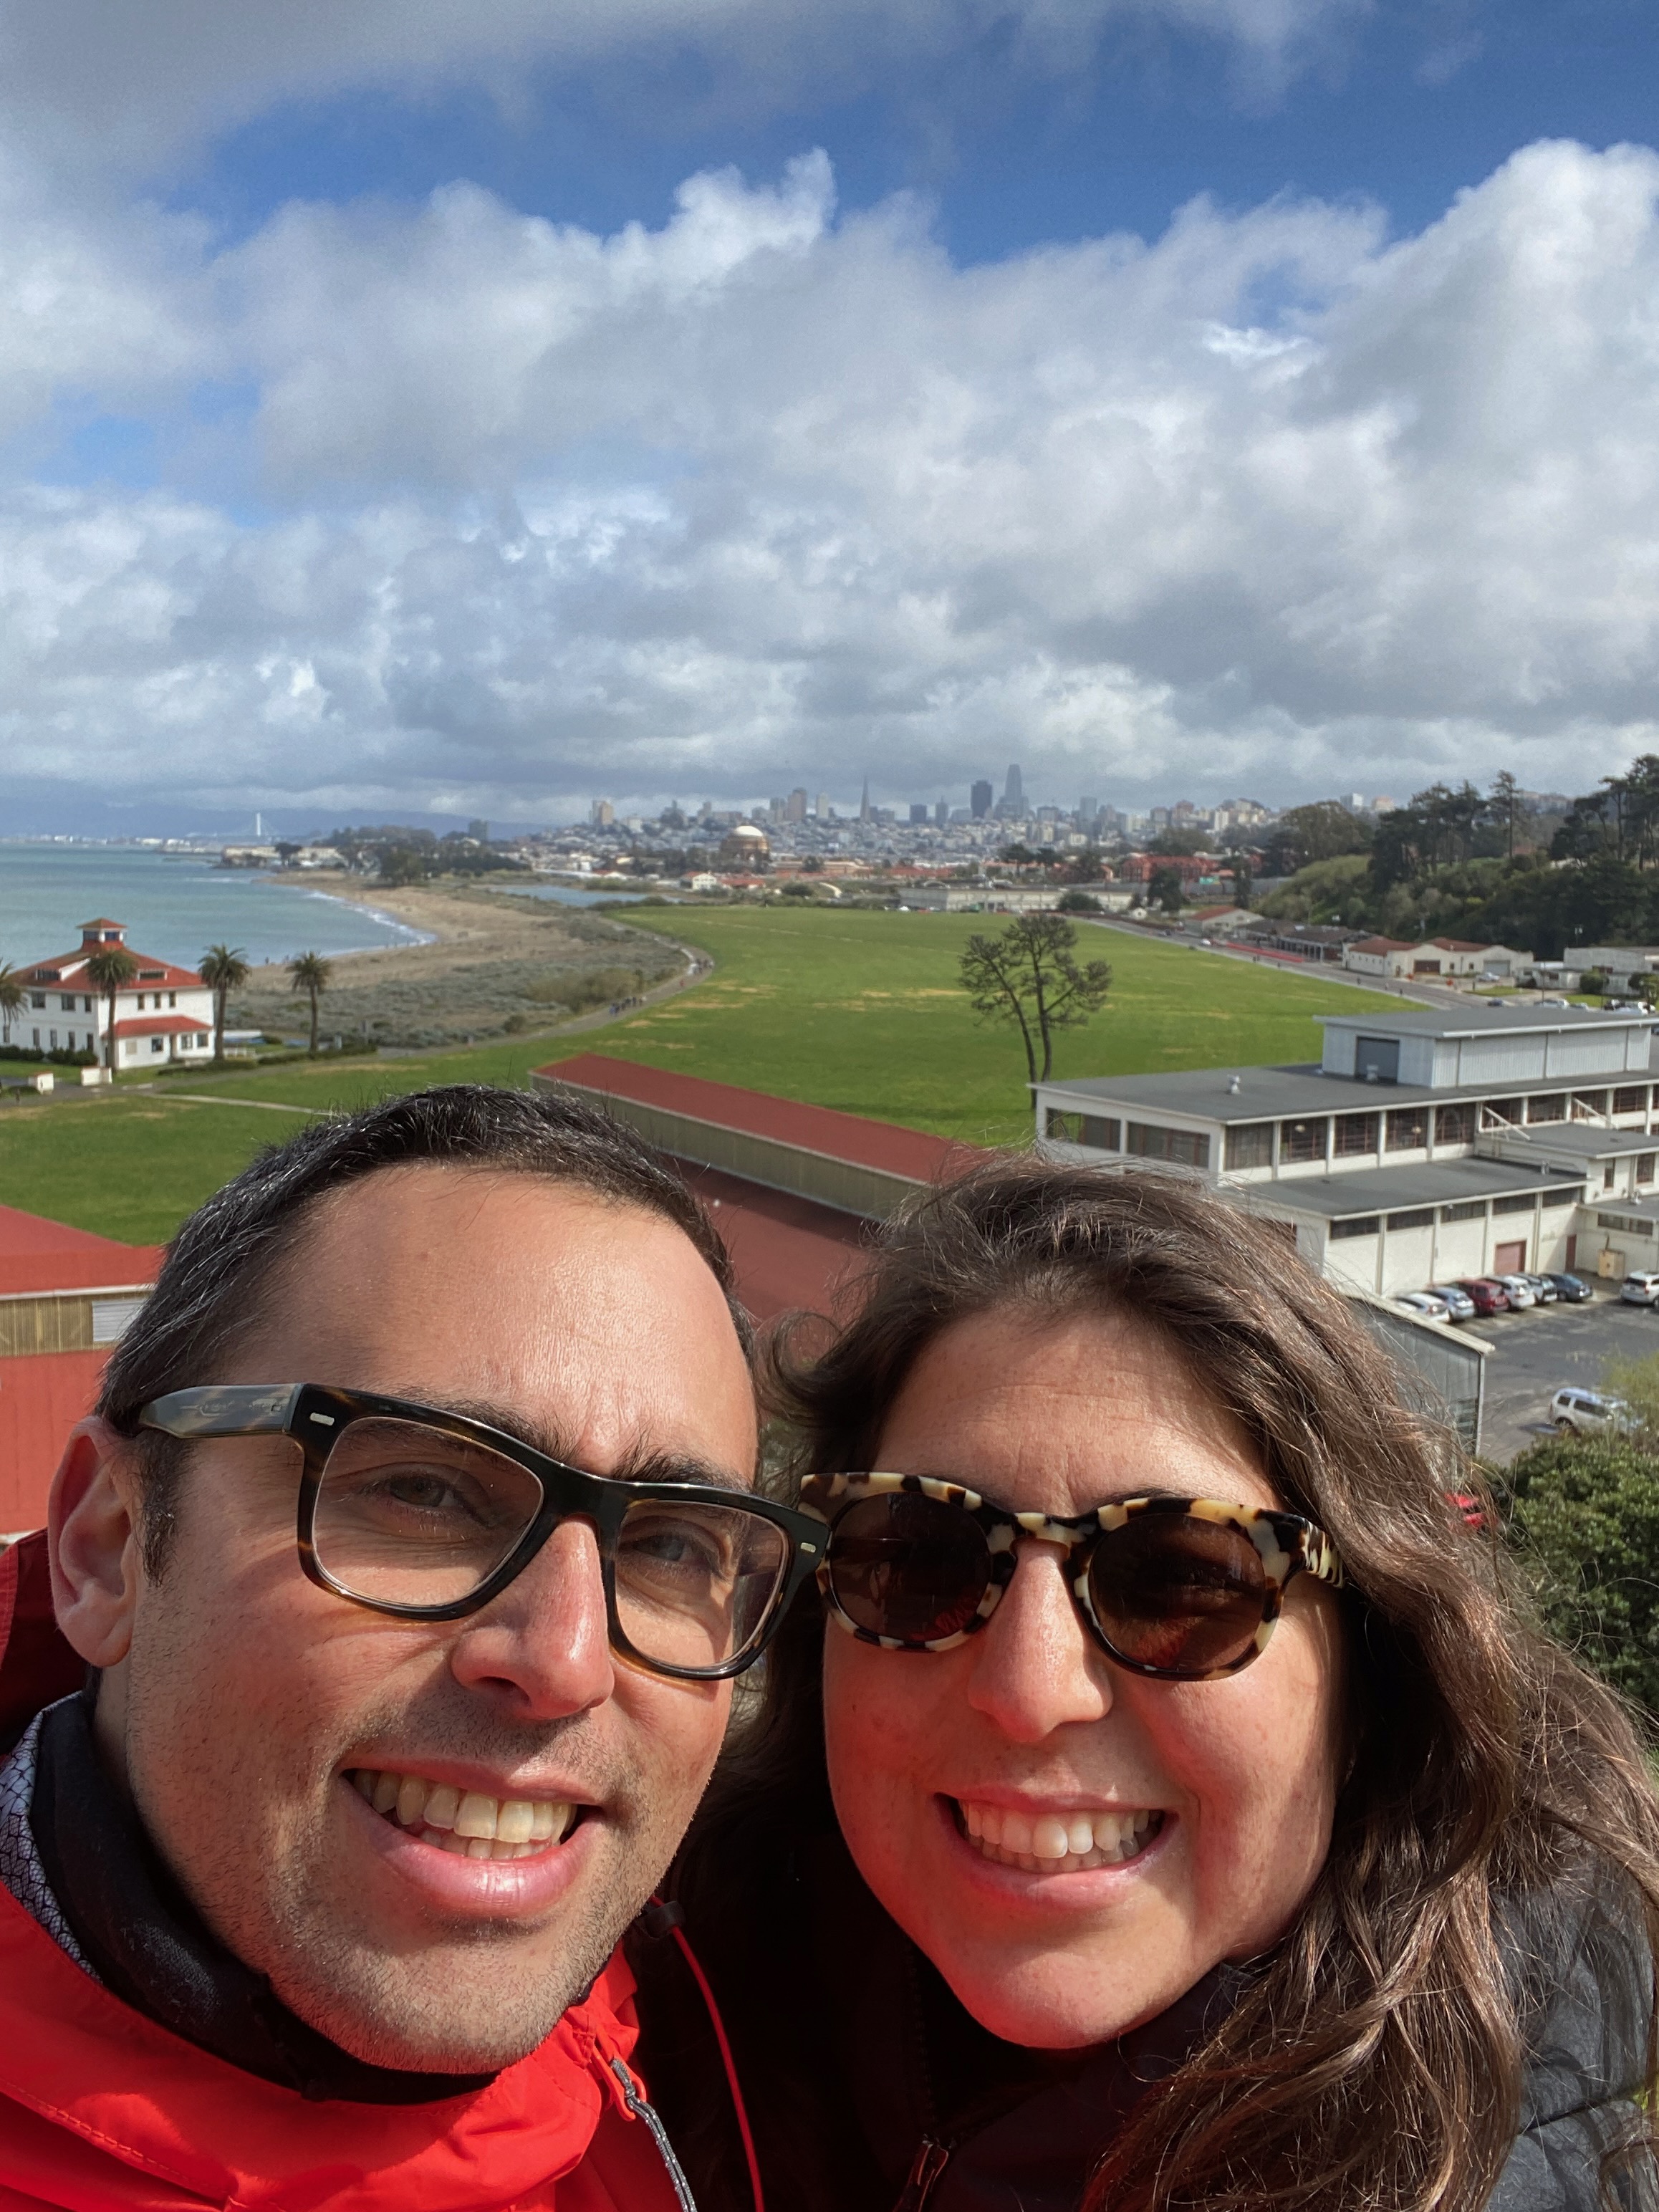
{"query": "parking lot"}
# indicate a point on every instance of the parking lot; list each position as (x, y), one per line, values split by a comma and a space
(1534, 1354)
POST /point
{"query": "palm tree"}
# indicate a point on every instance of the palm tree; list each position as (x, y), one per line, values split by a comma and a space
(224, 969)
(310, 973)
(111, 970)
(13, 997)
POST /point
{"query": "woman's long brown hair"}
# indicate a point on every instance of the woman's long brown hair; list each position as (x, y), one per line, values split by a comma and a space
(1376, 2060)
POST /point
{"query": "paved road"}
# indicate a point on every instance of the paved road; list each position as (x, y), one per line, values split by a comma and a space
(1535, 1353)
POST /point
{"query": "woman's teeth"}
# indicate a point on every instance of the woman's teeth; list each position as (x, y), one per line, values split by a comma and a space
(465, 1821)
(1057, 1842)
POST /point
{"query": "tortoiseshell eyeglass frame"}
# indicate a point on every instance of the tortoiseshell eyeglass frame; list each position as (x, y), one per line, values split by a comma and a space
(316, 1415)
(1288, 1544)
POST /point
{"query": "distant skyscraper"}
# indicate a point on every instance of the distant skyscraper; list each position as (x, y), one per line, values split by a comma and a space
(604, 814)
(865, 814)
(821, 810)
(1013, 791)
(918, 812)
(979, 805)
(797, 804)
(1088, 810)
(942, 811)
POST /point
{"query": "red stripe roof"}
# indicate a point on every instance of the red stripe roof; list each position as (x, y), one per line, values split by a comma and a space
(39, 1256)
(41, 1399)
(161, 1025)
(158, 974)
(881, 1144)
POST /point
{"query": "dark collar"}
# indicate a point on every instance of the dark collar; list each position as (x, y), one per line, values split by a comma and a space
(149, 1947)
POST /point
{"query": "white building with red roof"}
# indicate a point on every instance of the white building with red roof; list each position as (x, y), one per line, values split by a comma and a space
(164, 1014)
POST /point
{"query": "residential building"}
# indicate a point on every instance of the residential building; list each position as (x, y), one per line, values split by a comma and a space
(1421, 1146)
(165, 1013)
(1445, 957)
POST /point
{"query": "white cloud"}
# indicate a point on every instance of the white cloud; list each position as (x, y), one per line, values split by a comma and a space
(762, 497)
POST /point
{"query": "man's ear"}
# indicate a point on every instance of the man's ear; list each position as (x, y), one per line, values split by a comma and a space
(92, 1540)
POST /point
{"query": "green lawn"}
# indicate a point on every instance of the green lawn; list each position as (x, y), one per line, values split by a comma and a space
(860, 1011)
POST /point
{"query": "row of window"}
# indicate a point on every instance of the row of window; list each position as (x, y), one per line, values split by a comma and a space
(1625, 1223)
(1468, 1209)
(67, 1003)
(70, 1042)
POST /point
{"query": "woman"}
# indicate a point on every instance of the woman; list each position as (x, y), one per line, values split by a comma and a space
(1244, 1846)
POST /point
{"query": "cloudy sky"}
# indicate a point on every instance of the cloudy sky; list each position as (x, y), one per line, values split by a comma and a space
(455, 407)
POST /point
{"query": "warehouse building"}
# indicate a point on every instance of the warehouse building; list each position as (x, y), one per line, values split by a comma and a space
(1421, 1146)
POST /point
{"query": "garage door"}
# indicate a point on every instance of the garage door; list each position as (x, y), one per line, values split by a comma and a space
(1510, 1259)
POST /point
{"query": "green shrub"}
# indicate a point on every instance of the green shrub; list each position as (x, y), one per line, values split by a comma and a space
(1583, 1520)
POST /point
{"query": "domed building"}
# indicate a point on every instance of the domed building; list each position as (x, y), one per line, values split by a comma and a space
(745, 849)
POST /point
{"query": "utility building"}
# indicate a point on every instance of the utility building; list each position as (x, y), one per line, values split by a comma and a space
(1420, 1147)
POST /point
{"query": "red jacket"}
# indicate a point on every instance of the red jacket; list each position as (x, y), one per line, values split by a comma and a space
(103, 2110)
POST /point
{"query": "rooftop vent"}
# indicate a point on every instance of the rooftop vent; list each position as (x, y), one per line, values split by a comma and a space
(1233, 1084)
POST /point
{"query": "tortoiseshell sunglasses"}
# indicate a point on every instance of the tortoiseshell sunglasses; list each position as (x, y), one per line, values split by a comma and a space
(1183, 1589)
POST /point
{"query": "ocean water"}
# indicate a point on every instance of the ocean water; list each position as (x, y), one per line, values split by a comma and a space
(175, 909)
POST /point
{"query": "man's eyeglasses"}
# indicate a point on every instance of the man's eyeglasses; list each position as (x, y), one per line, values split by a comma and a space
(428, 1516)
(1183, 1589)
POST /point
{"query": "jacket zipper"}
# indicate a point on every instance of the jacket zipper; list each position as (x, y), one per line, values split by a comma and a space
(658, 2134)
(929, 2166)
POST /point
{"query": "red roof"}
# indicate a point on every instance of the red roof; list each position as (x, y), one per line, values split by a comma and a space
(161, 1025)
(1382, 944)
(788, 1253)
(41, 1399)
(152, 970)
(881, 1144)
(39, 1256)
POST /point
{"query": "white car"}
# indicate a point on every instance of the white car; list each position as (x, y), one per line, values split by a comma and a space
(1521, 1291)
(1640, 1289)
(1590, 1412)
(1425, 1302)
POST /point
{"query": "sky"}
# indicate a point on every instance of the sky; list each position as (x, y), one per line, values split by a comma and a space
(431, 408)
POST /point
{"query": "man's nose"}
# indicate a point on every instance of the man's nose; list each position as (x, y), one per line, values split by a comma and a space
(544, 1643)
(1034, 1667)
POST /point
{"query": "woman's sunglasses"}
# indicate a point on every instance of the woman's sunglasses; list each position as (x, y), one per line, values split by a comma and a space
(1183, 1589)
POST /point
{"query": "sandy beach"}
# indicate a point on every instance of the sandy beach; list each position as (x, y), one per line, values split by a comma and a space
(494, 966)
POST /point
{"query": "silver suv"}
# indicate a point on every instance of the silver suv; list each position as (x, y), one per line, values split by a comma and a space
(1590, 1412)
(1641, 1289)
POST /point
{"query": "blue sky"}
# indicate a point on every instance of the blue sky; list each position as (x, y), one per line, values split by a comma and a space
(454, 408)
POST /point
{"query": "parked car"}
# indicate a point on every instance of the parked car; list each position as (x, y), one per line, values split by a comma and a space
(1555, 1002)
(1488, 1293)
(1590, 1412)
(1520, 1296)
(1641, 1289)
(1542, 1288)
(1459, 1304)
(1573, 1289)
(1426, 1302)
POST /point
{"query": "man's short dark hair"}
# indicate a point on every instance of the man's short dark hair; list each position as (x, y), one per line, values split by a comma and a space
(212, 1290)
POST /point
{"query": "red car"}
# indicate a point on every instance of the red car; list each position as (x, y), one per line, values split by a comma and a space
(1490, 1298)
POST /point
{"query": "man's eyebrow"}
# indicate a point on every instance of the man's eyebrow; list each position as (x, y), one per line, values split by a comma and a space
(640, 1463)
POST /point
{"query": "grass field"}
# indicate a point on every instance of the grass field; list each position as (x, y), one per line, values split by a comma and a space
(860, 1011)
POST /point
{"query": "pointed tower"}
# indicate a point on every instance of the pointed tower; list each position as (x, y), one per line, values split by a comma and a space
(863, 803)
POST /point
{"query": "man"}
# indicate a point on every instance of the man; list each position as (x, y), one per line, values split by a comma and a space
(396, 1714)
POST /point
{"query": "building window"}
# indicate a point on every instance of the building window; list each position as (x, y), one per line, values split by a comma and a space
(1633, 1100)
(1607, 1176)
(1590, 1101)
(172, 998)
(158, 1044)
(1250, 1145)
(68, 1004)
(1563, 1193)
(1645, 1166)
(1624, 1224)
(1302, 1141)
(1408, 1129)
(38, 1000)
(1363, 1224)
(1547, 1109)
(1524, 1204)
(1422, 1217)
(1182, 1148)
(1466, 1209)
(86, 1006)
(1455, 1125)
(53, 1047)
(1355, 1135)
(1501, 1114)
(37, 1040)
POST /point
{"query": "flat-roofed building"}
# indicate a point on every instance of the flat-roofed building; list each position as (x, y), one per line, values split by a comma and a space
(1421, 1146)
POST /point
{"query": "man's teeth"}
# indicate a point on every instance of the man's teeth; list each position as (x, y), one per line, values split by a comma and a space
(1057, 1842)
(465, 1821)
